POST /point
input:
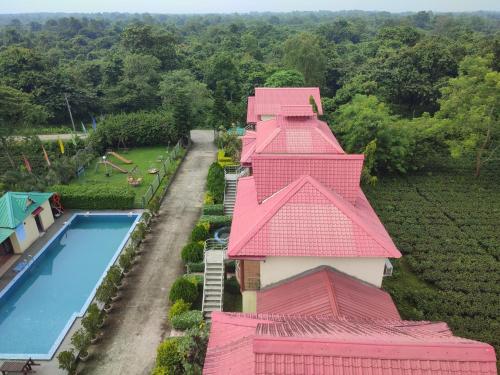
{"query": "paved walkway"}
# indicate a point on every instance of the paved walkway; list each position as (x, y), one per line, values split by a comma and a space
(140, 323)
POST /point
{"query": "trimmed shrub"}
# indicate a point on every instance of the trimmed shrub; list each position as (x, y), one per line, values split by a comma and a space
(208, 199)
(196, 267)
(213, 209)
(215, 182)
(218, 221)
(183, 289)
(231, 266)
(178, 308)
(168, 356)
(135, 129)
(223, 159)
(188, 319)
(95, 196)
(232, 286)
(199, 233)
(192, 253)
(197, 280)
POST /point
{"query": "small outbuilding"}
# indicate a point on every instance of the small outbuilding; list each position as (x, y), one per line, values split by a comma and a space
(23, 218)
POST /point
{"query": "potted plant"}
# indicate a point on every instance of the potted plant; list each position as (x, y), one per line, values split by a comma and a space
(104, 294)
(81, 342)
(125, 263)
(92, 321)
(67, 361)
(115, 275)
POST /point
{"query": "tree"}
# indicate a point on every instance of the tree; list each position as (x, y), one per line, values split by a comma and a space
(181, 116)
(146, 40)
(183, 82)
(18, 110)
(286, 78)
(366, 119)
(471, 103)
(304, 53)
(220, 111)
(222, 70)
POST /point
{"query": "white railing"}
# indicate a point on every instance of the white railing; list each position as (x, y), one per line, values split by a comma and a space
(213, 244)
(250, 127)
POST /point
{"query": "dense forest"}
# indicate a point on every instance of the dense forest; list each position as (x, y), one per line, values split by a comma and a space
(417, 93)
(398, 87)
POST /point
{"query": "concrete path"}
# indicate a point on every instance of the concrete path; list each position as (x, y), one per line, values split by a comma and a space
(139, 324)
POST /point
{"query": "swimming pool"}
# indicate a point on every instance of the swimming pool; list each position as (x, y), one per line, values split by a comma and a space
(40, 304)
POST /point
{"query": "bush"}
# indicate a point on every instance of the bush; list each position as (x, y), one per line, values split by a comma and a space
(178, 308)
(183, 289)
(215, 182)
(168, 356)
(114, 275)
(67, 361)
(224, 160)
(217, 221)
(231, 266)
(188, 319)
(92, 320)
(199, 233)
(232, 286)
(196, 267)
(134, 130)
(95, 196)
(81, 341)
(213, 209)
(208, 199)
(192, 252)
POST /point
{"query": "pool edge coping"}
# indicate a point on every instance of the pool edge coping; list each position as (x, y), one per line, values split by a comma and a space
(49, 356)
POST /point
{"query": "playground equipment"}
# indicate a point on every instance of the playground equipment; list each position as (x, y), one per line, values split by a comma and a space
(119, 157)
(132, 179)
(107, 163)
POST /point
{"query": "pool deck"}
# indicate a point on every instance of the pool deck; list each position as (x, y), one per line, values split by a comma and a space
(7, 273)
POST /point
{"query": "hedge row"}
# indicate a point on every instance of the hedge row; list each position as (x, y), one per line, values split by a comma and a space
(95, 197)
(213, 209)
(217, 221)
(135, 129)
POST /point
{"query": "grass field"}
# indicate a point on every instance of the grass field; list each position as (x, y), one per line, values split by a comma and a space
(142, 158)
(446, 223)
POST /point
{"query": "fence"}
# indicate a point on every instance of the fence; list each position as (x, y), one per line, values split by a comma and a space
(162, 172)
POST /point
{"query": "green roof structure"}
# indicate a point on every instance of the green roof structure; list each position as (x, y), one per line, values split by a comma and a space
(16, 206)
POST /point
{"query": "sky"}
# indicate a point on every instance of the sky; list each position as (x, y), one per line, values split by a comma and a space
(228, 6)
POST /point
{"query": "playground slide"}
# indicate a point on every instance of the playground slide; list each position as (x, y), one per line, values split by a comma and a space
(116, 167)
(119, 157)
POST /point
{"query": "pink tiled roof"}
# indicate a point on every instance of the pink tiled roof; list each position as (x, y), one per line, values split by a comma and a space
(268, 101)
(326, 291)
(245, 344)
(296, 135)
(297, 110)
(248, 147)
(305, 219)
(252, 118)
(339, 172)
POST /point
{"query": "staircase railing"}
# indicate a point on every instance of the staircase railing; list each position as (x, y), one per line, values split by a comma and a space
(214, 248)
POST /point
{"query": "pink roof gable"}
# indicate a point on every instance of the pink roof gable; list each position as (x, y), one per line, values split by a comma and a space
(305, 219)
(251, 116)
(268, 101)
(297, 110)
(245, 344)
(326, 291)
(296, 135)
(339, 172)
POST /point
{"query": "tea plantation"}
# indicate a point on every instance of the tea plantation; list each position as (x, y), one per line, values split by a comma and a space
(447, 225)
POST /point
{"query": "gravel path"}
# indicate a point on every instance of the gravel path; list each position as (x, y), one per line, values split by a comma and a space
(138, 325)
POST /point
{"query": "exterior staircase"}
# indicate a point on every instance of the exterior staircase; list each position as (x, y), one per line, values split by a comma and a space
(213, 283)
(231, 175)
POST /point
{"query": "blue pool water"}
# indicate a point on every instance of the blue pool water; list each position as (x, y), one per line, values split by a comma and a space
(38, 307)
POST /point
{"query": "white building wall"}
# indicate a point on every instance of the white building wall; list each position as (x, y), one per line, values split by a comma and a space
(249, 301)
(267, 117)
(31, 231)
(46, 215)
(275, 269)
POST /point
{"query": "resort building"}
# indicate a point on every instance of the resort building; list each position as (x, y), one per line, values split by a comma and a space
(311, 254)
(267, 102)
(23, 217)
(302, 207)
(326, 322)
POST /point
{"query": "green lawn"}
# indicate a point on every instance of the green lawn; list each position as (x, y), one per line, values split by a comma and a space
(445, 222)
(143, 159)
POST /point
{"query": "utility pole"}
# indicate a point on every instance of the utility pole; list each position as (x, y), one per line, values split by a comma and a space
(69, 110)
